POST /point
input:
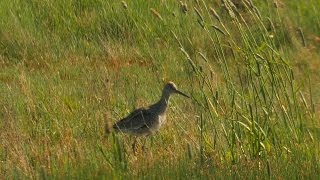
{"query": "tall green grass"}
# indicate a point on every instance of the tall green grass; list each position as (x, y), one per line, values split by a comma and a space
(68, 68)
(256, 108)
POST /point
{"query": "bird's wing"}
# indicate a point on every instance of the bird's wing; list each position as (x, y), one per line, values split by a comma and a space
(135, 120)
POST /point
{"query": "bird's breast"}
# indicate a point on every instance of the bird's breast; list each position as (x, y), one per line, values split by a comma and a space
(161, 119)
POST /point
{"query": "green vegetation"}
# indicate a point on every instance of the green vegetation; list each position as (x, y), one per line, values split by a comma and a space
(70, 67)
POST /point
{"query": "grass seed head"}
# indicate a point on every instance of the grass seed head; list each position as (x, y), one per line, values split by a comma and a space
(156, 14)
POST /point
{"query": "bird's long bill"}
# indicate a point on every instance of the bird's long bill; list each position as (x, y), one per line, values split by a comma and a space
(183, 94)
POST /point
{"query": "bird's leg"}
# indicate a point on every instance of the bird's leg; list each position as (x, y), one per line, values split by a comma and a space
(145, 145)
(134, 146)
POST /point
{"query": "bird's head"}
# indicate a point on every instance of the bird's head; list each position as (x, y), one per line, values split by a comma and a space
(171, 88)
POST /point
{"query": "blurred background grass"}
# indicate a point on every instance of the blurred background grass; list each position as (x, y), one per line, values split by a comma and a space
(251, 67)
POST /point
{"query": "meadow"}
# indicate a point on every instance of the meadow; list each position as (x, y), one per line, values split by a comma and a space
(68, 68)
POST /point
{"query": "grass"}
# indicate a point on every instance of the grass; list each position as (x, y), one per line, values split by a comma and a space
(68, 68)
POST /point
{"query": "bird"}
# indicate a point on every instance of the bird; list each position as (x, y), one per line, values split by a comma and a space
(146, 121)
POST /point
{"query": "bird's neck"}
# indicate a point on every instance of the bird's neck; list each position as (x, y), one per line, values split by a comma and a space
(165, 98)
(163, 102)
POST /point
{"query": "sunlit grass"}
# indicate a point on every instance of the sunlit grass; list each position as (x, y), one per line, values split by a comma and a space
(68, 68)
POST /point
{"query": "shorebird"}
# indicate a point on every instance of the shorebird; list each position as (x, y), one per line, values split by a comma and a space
(148, 120)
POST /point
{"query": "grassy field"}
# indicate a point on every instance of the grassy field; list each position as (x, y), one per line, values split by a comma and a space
(70, 67)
